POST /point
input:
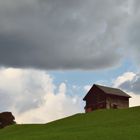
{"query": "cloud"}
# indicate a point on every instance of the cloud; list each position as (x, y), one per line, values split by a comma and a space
(33, 97)
(48, 34)
(135, 100)
(131, 33)
(132, 85)
(87, 88)
(129, 82)
(128, 76)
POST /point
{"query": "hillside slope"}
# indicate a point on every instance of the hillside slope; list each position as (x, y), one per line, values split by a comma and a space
(99, 125)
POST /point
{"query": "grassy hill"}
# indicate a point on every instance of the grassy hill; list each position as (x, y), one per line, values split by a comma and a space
(99, 125)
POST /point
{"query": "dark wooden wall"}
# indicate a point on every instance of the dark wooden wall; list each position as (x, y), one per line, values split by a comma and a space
(95, 100)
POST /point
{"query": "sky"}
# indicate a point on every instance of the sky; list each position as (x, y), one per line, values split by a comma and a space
(53, 51)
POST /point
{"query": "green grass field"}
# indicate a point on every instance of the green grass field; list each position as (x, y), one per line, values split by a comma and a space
(99, 125)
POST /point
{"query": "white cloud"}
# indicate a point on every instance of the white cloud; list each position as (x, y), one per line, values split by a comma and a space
(135, 100)
(33, 97)
(123, 78)
(128, 82)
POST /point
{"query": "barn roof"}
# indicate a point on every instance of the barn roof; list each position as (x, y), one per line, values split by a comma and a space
(110, 91)
(113, 91)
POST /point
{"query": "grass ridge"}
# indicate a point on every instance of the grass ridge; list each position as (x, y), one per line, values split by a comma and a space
(120, 124)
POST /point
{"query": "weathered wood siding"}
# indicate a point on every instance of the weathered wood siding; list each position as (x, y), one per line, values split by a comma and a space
(116, 101)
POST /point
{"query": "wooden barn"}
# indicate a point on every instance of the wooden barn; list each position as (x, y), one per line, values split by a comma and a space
(102, 97)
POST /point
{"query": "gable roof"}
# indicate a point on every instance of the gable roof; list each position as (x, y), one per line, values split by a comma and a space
(110, 91)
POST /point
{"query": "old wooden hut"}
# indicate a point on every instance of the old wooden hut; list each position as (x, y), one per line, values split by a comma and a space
(102, 97)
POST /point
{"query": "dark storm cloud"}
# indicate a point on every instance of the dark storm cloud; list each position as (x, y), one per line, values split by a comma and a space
(132, 85)
(61, 34)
